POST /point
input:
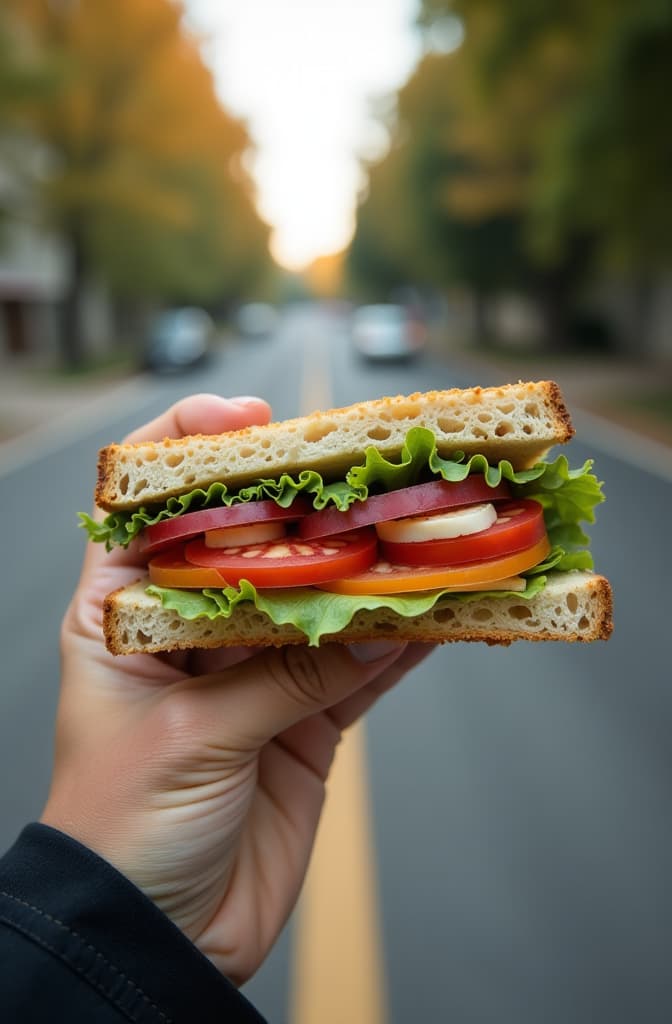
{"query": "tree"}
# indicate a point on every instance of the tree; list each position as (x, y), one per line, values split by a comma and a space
(24, 78)
(380, 258)
(443, 206)
(146, 180)
(601, 163)
(324, 276)
(465, 189)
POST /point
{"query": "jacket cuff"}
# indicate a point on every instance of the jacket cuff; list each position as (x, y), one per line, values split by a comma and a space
(66, 899)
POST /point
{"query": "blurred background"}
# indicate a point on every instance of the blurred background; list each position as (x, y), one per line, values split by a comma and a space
(321, 203)
(504, 171)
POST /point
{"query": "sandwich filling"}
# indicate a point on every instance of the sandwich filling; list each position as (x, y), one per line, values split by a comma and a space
(396, 534)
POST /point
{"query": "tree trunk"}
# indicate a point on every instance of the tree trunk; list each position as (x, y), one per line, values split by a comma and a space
(73, 343)
(555, 315)
(557, 288)
(641, 343)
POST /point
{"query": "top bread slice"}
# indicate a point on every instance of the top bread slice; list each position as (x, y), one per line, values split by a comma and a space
(519, 422)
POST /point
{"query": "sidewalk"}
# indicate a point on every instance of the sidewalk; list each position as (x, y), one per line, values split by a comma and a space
(32, 398)
(40, 412)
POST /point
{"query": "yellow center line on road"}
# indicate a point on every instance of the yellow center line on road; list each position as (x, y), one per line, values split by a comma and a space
(338, 974)
(315, 384)
(338, 971)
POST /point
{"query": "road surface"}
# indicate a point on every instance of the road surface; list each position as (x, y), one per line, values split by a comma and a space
(520, 825)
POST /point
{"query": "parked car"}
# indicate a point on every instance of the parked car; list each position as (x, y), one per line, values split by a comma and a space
(257, 320)
(179, 339)
(387, 331)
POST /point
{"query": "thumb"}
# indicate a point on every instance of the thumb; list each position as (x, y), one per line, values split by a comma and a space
(266, 694)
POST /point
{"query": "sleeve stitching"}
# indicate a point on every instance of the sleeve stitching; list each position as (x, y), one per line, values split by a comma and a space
(87, 945)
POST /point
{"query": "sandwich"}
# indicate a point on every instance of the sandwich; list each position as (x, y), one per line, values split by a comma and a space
(435, 516)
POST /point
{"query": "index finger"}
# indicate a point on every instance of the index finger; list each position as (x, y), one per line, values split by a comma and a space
(203, 414)
(196, 414)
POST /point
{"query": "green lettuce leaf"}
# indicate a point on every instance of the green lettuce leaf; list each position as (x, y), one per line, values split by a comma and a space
(118, 529)
(314, 612)
(568, 496)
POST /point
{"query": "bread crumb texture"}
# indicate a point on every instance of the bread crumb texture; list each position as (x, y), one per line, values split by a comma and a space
(515, 421)
(573, 606)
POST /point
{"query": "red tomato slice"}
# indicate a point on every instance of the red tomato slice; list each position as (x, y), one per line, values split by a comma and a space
(171, 570)
(163, 534)
(435, 496)
(520, 524)
(384, 578)
(289, 562)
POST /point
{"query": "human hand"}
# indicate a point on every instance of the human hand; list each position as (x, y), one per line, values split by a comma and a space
(201, 775)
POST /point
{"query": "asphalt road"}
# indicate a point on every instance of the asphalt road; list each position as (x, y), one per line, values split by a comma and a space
(521, 796)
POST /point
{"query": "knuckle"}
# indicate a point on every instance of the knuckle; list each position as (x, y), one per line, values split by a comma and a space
(75, 620)
(175, 721)
(302, 676)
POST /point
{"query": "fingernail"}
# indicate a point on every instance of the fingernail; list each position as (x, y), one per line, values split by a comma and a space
(246, 400)
(375, 650)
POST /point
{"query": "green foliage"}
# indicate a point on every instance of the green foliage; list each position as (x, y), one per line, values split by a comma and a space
(535, 156)
(601, 165)
(416, 224)
(144, 170)
(382, 254)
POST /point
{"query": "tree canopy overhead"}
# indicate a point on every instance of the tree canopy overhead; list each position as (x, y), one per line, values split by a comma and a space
(534, 154)
(603, 161)
(145, 174)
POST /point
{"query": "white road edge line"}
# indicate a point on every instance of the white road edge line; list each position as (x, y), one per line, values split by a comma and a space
(621, 443)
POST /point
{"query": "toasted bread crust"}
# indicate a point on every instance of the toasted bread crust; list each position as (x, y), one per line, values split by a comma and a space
(573, 607)
(520, 422)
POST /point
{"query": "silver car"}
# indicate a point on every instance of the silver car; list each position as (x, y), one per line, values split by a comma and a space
(387, 331)
(178, 339)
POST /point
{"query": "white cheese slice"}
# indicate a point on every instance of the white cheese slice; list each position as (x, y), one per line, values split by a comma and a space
(459, 523)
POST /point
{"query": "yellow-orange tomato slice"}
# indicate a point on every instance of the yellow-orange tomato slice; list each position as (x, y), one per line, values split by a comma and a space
(171, 570)
(386, 578)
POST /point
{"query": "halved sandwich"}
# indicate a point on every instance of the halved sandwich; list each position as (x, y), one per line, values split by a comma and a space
(433, 517)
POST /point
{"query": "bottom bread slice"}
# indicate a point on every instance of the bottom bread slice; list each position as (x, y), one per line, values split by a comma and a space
(572, 606)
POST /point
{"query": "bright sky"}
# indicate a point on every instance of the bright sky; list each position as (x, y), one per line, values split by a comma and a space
(304, 74)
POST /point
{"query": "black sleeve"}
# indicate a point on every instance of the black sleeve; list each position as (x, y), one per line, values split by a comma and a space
(79, 942)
